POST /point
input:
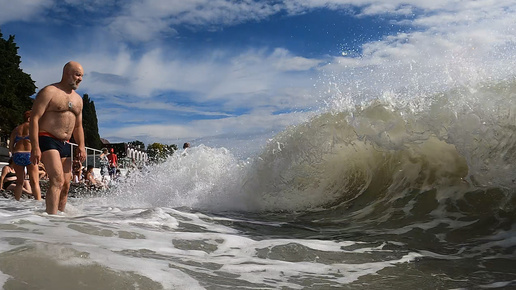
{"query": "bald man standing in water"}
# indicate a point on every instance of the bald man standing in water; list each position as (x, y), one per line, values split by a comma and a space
(56, 116)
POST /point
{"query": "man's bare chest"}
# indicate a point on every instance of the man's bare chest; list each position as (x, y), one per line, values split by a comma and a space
(65, 104)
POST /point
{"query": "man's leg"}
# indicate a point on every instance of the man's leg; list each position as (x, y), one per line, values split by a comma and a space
(67, 174)
(54, 168)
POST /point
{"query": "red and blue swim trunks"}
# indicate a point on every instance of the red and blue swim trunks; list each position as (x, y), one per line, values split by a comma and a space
(47, 142)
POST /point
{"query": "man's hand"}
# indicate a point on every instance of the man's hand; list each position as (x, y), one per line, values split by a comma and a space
(35, 155)
(81, 153)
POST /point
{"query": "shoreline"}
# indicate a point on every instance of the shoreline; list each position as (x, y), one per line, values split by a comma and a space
(77, 190)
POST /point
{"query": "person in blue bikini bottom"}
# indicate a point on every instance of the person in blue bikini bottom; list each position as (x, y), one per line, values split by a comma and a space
(20, 148)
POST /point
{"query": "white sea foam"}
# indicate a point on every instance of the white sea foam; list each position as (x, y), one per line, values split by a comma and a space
(153, 243)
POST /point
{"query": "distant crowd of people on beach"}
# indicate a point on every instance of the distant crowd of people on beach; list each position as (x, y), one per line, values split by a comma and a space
(108, 167)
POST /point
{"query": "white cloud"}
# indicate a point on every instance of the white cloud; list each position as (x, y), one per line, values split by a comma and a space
(22, 10)
(251, 78)
(137, 30)
(127, 103)
(258, 121)
(202, 12)
(453, 43)
(459, 46)
(148, 19)
(284, 61)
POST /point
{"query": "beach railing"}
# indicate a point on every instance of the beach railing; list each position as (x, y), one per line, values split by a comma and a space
(91, 155)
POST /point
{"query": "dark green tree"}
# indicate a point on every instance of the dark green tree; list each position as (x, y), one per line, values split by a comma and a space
(90, 123)
(16, 87)
(155, 152)
(158, 152)
(172, 148)
(137, 144)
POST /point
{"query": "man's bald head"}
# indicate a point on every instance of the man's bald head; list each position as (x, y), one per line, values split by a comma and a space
(72, 74)
(71, 66)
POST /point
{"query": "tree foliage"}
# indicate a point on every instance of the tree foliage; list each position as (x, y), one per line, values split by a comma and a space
(137, 144)
(90, 123)
(158, 152)
(16, 87)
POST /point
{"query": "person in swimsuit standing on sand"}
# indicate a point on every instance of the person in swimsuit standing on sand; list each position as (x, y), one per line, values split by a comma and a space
(20, 148)
(56, 116)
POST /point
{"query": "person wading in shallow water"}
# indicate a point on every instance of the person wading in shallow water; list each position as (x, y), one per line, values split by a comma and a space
(56, 116)
(20, 148)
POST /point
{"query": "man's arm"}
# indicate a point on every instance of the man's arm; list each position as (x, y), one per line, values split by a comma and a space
(78, 136)
(38, 109)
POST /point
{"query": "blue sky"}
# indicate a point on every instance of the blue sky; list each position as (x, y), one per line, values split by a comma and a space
(226, 71)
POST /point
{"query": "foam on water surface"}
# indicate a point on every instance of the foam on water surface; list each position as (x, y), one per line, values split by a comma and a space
(172, 248)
